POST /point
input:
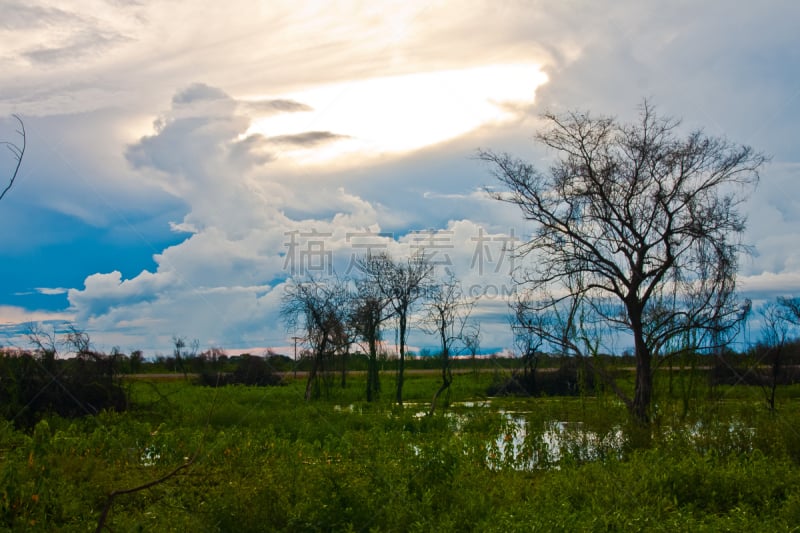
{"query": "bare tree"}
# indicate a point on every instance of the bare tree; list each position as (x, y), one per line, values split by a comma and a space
(320, 309)
(45, 344)
(568, 326)
(472, 342)
(638, 221)
(184, 354)
(345, 334)
(775, 330)
(447, 314)
(17, 150)
(790, 309)
(368, 314)
(77, 341)
(528, 337)
(70, 386)
(402, 284)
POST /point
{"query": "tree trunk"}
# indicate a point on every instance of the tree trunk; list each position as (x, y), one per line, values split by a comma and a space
(373, 383)
(401, 362)
(776, 370)
(447, 379)
(643, 391)
(312, 376)
(345, 354)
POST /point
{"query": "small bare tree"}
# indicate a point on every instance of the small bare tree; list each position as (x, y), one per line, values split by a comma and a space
(446, 317)
(367, 315)
(790, 309)
(646, 220)
(17, 150)
(775, 330)
(319, 308)
(528, 337)
(402, 284)
(472, 342)
(45, 344)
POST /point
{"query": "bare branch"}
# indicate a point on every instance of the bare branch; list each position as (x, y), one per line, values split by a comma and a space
(17, 152)
(101, 521)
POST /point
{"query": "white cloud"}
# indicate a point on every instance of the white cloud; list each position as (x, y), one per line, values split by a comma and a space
(11, 315)
(768, 285)
(270, 85)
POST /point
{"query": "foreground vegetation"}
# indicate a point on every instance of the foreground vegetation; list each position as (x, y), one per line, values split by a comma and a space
(261, 459)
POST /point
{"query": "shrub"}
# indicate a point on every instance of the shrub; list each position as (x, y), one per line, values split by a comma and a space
(35, 384)
(250, 370)
(570, 379)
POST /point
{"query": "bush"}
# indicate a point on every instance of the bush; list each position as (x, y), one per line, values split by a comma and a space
(35, 384)
(569, 379)
(250, 370)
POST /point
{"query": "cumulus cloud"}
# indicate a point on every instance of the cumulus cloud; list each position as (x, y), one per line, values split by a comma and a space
(241, 245)
(102, 292)
(248, 233)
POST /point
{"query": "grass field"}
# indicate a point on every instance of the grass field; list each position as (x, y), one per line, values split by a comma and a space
(262, 459)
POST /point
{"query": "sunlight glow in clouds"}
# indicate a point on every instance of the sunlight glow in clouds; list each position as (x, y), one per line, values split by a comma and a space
(403, 113)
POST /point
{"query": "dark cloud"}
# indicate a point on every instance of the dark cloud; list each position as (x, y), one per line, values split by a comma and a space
(307, 139)
(276, 106)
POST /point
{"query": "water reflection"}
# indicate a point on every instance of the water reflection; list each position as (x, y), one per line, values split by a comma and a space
(522, 447)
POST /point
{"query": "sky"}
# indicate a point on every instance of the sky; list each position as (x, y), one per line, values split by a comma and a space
(185, 159)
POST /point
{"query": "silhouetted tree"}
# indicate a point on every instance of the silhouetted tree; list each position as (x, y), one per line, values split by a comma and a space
(639, 222)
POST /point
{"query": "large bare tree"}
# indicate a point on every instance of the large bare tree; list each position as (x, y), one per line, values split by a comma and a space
(17, 150)
(639, 221)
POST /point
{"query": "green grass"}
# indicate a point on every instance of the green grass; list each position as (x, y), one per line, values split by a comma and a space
(265, 460)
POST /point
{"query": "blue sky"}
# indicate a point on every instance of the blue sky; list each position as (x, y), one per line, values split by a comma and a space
(183, 157)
